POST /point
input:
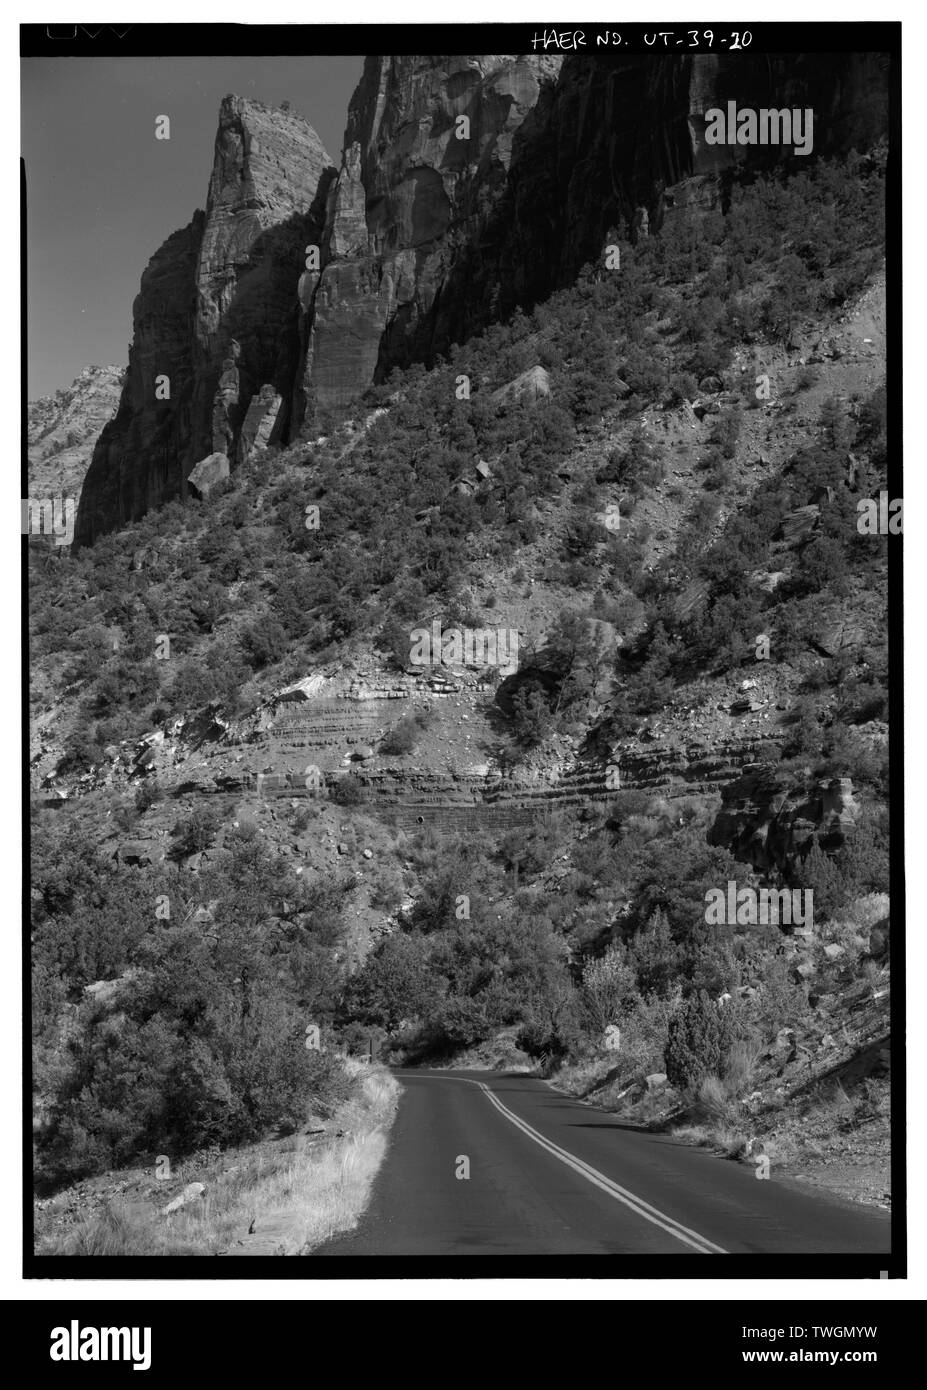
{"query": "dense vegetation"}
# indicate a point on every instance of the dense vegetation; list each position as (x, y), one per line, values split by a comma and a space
(202, 1041)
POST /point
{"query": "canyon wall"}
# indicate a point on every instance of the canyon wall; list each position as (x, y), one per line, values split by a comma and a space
(215, 314)
(468, 185)
(62, 430)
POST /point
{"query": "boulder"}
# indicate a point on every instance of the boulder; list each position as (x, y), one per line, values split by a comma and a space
(831, 637)
(189, 1194)
(102, 991)
(209, 473)
(656, 1081)
(532, 385)
(799, 522)
(305, 689)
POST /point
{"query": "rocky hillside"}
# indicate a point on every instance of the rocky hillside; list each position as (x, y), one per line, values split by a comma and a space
(62, 430)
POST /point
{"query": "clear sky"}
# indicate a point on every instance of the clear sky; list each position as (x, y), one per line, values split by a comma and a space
(103, 193)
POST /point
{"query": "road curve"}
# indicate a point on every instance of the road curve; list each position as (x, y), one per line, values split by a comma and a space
(549, 1175)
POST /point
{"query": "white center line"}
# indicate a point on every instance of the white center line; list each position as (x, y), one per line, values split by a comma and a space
(620, 1194)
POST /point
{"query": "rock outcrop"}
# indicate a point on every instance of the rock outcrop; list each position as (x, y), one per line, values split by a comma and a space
(468, 186)
(61, 431)
(266, 201)
(428, 150)
(260, 423)
(769, 821)
(139, 459)
(215, 316)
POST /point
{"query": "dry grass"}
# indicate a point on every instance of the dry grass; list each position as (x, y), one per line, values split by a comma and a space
(718, 1119)
(741, 1065)
(282, 1201)
(718, 1136)
(585, 1076)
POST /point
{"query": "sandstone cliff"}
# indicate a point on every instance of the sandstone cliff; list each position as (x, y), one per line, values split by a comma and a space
(428, 151)
(215, 314)
(266, 198)
(139, 458)
(62, 430)
(468, 185)
(433, 231)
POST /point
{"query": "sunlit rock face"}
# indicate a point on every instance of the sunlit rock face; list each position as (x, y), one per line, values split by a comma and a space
(428, 150)
(215, 315)
(468, 186)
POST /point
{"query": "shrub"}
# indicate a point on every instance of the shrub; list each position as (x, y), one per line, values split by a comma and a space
(698, 1042)
(126, 815)
(403, 737)
(608, 988)
(532, 720)
(198, 831)
(263, 642)
(655, 956)
(348, 791)
(725, 432)
(148, 795)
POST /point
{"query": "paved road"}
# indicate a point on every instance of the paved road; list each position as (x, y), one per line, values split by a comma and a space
(548, 1175)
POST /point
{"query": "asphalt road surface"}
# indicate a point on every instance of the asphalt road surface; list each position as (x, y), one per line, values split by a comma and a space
(549, 1175)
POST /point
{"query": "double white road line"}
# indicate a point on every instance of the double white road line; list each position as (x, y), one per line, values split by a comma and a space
(620, 1194)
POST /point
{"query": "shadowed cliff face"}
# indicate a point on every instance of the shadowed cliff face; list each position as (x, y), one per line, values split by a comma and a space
(468, 186)
(770, 822)
(139, 458)
(216, 314)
